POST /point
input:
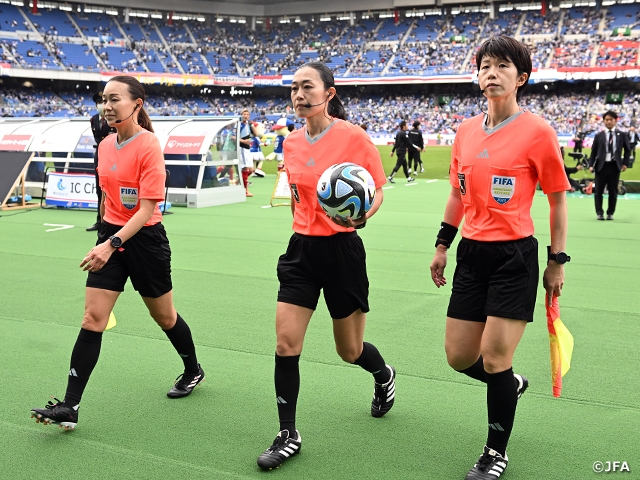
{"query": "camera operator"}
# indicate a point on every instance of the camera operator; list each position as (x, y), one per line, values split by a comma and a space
(578, 141)
(575, 185)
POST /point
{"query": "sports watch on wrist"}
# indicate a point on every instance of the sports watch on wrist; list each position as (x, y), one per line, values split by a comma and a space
(116, 242)
(560, 258)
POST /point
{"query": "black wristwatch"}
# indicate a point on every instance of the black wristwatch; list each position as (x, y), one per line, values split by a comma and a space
(560, 258)
(116, 242)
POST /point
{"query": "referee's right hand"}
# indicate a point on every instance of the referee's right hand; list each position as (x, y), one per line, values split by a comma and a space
(438, 265)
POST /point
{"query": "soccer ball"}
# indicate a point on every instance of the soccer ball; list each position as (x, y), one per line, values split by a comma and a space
(347, 190)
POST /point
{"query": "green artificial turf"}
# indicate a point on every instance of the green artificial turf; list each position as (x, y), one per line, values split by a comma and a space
(225, 286)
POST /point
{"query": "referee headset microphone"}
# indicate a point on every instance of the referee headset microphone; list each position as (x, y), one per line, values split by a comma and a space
(309, 105)
(134, 111)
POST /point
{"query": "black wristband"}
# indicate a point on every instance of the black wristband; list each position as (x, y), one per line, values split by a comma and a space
(362, 225)
(447, 232)
(439, 241)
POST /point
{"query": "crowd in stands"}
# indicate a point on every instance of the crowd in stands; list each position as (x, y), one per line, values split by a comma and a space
(438, 44)
(566, 113)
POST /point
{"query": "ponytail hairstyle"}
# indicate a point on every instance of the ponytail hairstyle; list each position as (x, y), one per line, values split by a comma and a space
(335, 108)
(136, 91)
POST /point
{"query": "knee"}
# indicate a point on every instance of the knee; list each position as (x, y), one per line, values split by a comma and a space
(93, 321)
(165, 320)
(495, 362)
(287, 347)
(349, 354)
(459, 360)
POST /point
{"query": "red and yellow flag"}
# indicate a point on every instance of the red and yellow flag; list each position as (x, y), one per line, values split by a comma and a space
(561, 345)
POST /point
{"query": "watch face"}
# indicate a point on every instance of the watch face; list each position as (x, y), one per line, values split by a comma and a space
(561, 258)
(116, 242)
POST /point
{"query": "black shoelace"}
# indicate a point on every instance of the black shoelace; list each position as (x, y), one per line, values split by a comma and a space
(485, 462)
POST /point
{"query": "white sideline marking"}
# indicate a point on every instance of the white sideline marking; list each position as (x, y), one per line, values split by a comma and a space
(411, 184)
(387, 188)
(432, 180)
(59, 225)
(266, 206)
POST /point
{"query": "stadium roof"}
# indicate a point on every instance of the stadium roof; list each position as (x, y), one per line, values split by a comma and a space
(262, 8)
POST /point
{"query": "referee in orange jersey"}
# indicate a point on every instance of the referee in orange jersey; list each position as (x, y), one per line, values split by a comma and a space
(132, 243)
(496, 161)
(323, 254)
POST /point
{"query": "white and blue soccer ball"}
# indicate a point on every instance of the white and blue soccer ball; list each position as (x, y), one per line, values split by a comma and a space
(346, 189)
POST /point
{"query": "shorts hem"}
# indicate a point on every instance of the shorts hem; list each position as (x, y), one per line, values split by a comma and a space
(102, 286)
(511, 315)
(154, 294)
(340, 316)
(297, 302)
(466, 316)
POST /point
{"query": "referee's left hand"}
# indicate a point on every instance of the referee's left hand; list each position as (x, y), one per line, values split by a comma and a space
(553, 280)
(97, 257)
(347, 222)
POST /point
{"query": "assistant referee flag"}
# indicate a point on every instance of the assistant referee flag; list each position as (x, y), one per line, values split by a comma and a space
(561, 346)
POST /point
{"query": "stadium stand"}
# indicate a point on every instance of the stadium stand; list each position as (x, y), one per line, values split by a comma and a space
(374, 45)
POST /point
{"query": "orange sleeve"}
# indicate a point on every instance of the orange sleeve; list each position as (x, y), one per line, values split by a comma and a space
(546, 159)
(368, 156)
(152, 169)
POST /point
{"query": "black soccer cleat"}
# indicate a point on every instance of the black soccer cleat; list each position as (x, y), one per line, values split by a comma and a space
(185, 383)
(522, 384)
(391, 180)
(56, 414)
(283, 447)
(384, 395)
(490, 466)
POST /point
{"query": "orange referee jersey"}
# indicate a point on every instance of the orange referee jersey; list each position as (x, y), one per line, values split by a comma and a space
(129, 172)
(306, 160)
(497, 171)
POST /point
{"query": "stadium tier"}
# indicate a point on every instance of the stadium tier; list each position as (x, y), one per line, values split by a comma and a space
(440, 41)
(439, 113)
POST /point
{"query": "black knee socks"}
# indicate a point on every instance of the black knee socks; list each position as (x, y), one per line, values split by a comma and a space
(371, 360)
(502, 398)
(287, 382)
(180, 338)
(83, 360)
(476, 371)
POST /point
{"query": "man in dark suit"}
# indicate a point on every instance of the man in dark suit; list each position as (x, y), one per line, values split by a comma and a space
(100, 130)
(607, 161)
(633, 141)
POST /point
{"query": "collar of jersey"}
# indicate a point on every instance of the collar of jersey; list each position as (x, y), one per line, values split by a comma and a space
(128, 140)
(314, 140)
(502, 124)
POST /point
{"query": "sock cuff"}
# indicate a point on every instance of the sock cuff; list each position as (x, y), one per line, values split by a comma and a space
(363, 354)
(90, 336)
(287, 362)
(500, 377)
(472, 367)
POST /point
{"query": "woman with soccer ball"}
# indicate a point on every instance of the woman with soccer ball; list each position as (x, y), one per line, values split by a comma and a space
(323, 254)
(497, 160)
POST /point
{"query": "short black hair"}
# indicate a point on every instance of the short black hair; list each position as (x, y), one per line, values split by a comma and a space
(509, 49)
(611, 114)
(402, 124)
(416, 124)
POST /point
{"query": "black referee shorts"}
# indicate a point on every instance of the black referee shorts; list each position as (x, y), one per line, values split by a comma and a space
(497, 279)
(335, 264)
(145, 258)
